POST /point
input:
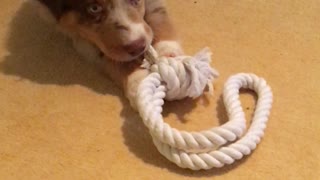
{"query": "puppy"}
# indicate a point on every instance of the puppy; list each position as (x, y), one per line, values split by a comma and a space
(117, 31)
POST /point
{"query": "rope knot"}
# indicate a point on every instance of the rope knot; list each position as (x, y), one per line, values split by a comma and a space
(183, 76)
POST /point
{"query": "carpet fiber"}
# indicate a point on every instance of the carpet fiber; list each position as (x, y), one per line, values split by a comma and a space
(60, 118)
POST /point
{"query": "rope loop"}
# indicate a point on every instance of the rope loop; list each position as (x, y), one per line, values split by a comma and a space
(184, 76)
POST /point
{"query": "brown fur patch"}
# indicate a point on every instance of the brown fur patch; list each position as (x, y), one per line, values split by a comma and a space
(112, 29)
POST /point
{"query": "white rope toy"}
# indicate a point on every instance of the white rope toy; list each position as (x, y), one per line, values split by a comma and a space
(184, 76)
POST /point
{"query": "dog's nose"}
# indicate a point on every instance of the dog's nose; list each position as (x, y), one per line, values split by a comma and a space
(136, 47)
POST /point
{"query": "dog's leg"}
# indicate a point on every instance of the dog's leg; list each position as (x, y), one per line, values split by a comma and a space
(125, 75)
(86, 50)
(165, 38)
(165, 42)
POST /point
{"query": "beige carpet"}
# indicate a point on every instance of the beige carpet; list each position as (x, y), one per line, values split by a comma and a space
(60, 118)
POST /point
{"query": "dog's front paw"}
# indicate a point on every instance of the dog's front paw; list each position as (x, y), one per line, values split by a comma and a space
(86, 50)
(168, 48)
(132, 85)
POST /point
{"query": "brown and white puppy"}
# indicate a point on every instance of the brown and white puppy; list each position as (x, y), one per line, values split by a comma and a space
(121, 30)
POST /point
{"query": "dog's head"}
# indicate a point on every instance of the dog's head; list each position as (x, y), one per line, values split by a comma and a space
(116, 27)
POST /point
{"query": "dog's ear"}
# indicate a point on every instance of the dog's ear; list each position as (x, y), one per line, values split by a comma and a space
(56, 7)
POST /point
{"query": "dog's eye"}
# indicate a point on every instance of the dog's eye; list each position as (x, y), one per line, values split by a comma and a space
(94, 9)
(134, 2)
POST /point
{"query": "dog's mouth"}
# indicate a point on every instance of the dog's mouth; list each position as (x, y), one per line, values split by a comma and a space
(138, 57)
(124, 53)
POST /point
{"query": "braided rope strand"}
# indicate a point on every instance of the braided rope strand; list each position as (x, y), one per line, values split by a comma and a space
(187, 77)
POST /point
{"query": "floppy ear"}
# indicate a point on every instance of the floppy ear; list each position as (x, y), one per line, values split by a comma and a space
(54, 6)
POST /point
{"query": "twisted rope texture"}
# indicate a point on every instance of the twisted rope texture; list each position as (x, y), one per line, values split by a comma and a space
(176, 78)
